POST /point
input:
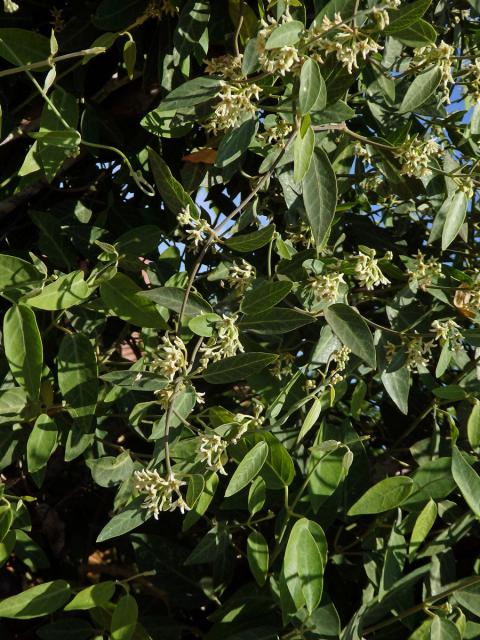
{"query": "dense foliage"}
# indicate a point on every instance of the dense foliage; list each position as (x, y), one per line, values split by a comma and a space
(240, 296)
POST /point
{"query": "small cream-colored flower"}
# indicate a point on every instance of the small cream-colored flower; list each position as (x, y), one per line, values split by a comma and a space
(425, 271)
(228, 67)
(441, 55)
(161, 494)
(240, 276)
(236, 103)
(213, 451)
(325, 287)
(415, 155)
(367, 271)
(171, 358)
(223, 344)
(9, 6)
(448, 331)
(340, 358)
(418, 352)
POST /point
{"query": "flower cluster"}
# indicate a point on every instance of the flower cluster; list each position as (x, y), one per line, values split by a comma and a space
(171, 358)
(340, 358)
(279, 60)
(236, 103)
(227, 67)
(213, 448)
(425, 271)
(9, 6)
(224, 344)
(466, 185)
(415, 155)
(442, 56)
(473, 79)
(283, 365)
(325, 287)
(213, 451)
(448, 332)
(367, 271)
(197, 229)
(346, 42)
(418, 352)
(278, 132)
(161, 494)
(240, 275)
(381, 15)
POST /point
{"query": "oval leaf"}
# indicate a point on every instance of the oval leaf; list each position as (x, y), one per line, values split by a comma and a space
(248, 469)
(320, 196)
(352, 330)
(385, 495)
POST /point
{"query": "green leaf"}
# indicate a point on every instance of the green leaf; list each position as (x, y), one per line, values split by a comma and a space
(15, 272)
(172, 298)
(423, 524)
(455, 217)
(443, 629)
(139, 240)
(473, 425)
(66, 138)
(303, 565)
(310, 419)
(422, 87)
(469, 598)
(247, 242)
(352, 330)
(258, 556)
(302, 153)
(383, 496)
(237, 367)
(276, 321)
(235, 143)
(41, 443)
(109, 471)
(124, 618)
(467, 480)
(265, 296)
(256, 495)
(130, 518)
(196, 485)
(90, 597)
(120, 297)
(286, 34)
(418, 34)
(63, 293)
(172, 192)
(37, 601)
(22, 46)
(23, 348)
(6, 519)
(397, 385)
(406, 15)
(130, 57)
(78, 375)
(320, 196)
(248, 469)
(313, 92)
(202, 504)
(204, 325)
(187, 95)
(326, 471)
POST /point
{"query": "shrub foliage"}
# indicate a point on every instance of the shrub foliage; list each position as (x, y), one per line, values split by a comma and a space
(240, 294)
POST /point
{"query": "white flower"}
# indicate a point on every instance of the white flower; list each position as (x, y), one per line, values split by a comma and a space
(236, 104)
(425, 271)
(213, 451)
(9, 6)
(161, 494)
(227, 66)
(368, 272)
(325, 287)
(442, 56)
(340, 357)
(418, 353)
(224, 344)
(415, 155)
(448, 331)
(171, 358)
(240, 275)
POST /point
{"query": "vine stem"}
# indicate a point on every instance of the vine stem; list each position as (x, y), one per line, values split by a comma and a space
(49, 62)
(461, 584)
